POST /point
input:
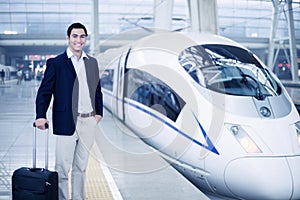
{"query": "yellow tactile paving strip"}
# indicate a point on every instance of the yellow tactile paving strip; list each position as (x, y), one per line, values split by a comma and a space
(96, 187)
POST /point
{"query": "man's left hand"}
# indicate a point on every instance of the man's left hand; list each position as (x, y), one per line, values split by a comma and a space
(98, 118)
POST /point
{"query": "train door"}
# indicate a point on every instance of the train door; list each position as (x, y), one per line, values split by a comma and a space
(120, 86)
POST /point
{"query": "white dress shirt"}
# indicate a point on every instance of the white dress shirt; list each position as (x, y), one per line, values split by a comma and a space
(84, 100)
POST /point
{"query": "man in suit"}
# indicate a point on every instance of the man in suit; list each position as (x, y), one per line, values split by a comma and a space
(72, 78)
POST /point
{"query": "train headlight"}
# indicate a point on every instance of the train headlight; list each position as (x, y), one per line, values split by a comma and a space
(297, 126)
(265, 111)
(244, 139)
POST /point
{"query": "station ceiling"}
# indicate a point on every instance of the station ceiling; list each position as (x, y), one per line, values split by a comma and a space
(39, 26)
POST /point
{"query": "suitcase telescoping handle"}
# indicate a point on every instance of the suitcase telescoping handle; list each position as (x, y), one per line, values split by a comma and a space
(46, 146)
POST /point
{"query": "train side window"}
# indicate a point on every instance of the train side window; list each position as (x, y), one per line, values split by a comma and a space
(153, 93)
(166, 101)
(142, 95)
(107, 79)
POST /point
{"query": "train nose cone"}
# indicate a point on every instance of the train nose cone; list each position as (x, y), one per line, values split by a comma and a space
(264, 177)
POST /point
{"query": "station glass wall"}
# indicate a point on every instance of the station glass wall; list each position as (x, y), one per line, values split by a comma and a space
(237, 18)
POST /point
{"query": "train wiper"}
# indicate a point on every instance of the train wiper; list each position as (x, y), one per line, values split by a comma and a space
(258, 93)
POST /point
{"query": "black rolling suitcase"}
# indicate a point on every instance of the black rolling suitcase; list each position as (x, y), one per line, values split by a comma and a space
(35, 183)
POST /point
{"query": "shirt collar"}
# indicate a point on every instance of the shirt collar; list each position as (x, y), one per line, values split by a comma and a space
(70, 53)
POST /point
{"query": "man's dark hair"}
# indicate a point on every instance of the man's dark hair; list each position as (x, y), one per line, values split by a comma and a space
(76, 25)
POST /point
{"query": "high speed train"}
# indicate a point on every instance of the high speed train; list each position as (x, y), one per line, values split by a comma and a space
(212, 109)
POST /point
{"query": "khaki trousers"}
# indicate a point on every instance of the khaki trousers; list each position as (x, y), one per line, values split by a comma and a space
(72, 153)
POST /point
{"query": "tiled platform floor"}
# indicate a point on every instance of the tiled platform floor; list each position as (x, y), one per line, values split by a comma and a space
(121, 166)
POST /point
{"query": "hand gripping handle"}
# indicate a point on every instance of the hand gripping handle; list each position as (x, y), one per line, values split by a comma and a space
(46, 146)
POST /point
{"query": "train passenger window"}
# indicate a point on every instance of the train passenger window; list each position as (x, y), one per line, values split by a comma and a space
(153, 93)
(230, 70)
(107, 79)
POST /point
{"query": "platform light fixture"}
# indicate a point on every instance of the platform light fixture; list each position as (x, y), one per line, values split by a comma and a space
(7, 32)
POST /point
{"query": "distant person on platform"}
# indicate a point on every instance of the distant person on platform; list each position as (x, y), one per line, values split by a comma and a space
(2, 73)
(73, 79)
(19, 77)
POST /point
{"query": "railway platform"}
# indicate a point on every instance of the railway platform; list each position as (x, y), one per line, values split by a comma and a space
(121, 166)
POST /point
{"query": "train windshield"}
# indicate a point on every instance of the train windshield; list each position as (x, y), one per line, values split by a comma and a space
(230, 70)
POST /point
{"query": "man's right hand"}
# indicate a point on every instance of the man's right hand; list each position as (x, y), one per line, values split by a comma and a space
(40, 123)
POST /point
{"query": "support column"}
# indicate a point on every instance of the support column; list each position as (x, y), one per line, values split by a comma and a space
(292, 41)
(276, 44)
(2, 56)
(203, 15)
(94, 42)
(271, 55)
(163, 10)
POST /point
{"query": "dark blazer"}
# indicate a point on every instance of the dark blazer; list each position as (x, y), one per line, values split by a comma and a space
(60, 80)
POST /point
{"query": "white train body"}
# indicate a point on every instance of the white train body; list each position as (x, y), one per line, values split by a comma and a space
(212, 109)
